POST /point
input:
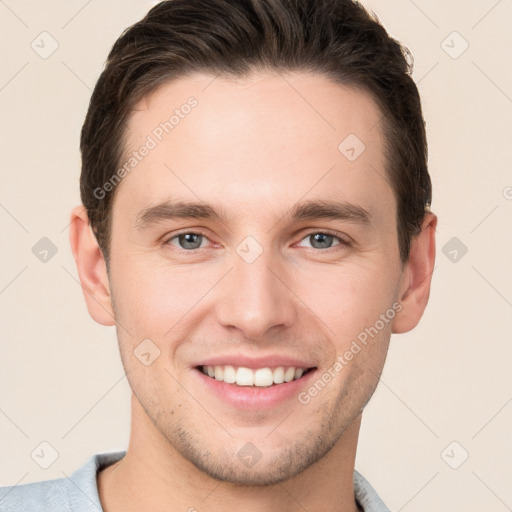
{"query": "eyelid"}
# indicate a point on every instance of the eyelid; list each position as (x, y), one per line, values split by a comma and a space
(167, 239)
(343, 238)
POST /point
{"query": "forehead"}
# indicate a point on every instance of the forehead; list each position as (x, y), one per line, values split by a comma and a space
(268, 139)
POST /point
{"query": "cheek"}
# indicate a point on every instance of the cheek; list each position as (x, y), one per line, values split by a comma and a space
(154, 297)
(347, 298)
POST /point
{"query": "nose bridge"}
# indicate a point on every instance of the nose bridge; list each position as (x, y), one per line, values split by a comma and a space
(253, 298)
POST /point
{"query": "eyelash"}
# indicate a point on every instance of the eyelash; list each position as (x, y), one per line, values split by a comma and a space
(343, 239)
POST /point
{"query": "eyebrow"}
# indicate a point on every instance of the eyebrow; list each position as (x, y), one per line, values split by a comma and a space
(306, 210)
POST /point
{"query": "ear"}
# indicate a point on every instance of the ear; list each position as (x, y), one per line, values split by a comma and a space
(416, 277)
(91, 267)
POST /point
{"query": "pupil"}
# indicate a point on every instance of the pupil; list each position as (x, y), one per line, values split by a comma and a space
(190, 240)
(323, 239)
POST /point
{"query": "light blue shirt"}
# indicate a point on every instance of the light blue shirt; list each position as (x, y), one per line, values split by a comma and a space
(79, 492)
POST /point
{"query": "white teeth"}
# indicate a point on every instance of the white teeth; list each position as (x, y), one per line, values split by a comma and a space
(219, 373)
(279, 375)
(244, 377)
(262, 377)
(289, 374)
(229, 374)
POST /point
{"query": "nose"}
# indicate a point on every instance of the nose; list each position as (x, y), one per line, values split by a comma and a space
(255, 298)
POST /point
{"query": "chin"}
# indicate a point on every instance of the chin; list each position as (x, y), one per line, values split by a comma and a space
(250, 467)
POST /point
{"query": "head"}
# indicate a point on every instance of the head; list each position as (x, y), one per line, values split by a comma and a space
(287, 139)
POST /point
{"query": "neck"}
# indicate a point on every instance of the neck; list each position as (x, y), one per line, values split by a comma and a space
(154, 476)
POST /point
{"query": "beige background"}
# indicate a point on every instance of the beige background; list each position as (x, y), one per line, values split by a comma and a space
(61, 380)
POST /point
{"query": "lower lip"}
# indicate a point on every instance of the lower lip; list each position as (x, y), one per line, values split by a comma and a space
(254, 397)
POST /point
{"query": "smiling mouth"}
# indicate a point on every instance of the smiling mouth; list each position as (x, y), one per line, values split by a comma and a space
(260, 377)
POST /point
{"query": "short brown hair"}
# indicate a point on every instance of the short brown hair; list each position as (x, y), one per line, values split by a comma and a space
(233, 38)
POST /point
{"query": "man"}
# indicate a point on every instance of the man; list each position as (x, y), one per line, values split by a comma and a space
(256, 225)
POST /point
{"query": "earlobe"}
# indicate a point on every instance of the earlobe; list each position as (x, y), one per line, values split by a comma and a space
(417, 276)
(91, 267)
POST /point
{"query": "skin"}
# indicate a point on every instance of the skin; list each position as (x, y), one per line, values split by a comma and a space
(253, 148)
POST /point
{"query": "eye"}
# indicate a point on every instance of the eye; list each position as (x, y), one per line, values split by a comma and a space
(190, 241)
(187, 241)
(321, 240)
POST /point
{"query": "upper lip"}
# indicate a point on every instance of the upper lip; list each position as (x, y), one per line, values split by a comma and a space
(271, 361)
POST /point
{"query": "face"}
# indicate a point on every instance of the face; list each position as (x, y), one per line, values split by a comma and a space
(249, 241)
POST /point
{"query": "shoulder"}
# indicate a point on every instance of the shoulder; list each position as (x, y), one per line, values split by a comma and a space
(76, 493)
(35, 496)
(367, 496)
